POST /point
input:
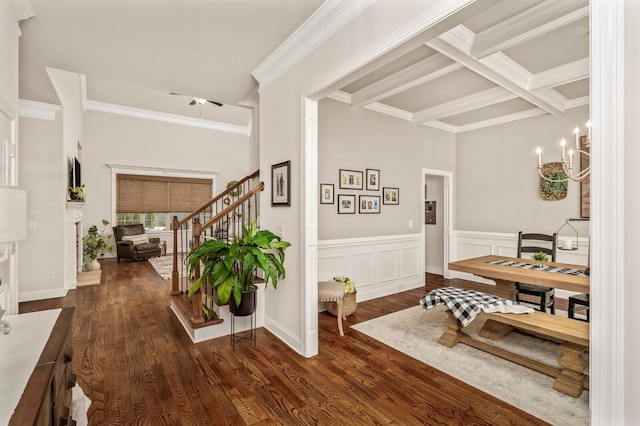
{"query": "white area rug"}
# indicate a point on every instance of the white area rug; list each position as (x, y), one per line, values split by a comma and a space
(164, 266)
(415, 332)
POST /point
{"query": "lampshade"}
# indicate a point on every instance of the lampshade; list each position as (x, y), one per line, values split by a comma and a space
(13, 214)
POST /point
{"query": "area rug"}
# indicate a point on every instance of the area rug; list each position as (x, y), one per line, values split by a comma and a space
(164, 266)
(415, 332)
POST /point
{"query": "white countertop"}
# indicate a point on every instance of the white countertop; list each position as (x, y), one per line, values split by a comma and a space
(19, 353)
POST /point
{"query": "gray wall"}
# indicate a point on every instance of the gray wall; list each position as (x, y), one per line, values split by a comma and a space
(359, 139)
(497, 179)
(122, 140)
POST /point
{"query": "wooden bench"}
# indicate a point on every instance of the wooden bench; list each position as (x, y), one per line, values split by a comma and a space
(573, 336)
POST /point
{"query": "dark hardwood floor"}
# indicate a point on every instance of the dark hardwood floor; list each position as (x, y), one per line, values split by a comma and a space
(136, 363)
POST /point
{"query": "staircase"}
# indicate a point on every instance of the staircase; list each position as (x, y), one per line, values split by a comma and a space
(221, 217)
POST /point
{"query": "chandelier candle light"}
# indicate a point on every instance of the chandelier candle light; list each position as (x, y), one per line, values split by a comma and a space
(568, 171)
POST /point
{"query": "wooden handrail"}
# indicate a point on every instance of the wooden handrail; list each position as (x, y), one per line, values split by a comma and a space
(232, 207)
(218, 197)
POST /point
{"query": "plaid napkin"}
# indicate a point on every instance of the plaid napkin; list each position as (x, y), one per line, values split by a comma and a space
(466, 304)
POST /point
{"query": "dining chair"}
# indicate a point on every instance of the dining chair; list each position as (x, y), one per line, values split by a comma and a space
(543, 297)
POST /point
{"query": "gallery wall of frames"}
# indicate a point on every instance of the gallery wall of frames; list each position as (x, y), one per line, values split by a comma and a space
(359, 192)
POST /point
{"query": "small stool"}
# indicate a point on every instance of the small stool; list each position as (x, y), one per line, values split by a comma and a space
(578, 299)
(333, 291)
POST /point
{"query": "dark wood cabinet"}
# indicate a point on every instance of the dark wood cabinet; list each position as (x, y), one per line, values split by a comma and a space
(47, 397)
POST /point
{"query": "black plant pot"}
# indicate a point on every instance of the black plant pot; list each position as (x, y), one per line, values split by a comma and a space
(247, 303)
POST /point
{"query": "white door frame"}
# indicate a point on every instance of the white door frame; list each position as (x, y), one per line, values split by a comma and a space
(448, 215)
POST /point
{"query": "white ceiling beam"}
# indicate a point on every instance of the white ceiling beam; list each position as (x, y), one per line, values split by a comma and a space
(467, 103)
(564, 74)
(501, 120)
(425, 70)
(447, 49)
(533, 22)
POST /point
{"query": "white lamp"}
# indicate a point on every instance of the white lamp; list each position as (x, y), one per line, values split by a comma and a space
(13, 216)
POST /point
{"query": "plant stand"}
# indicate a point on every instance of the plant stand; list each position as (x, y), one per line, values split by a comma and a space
(246, 335)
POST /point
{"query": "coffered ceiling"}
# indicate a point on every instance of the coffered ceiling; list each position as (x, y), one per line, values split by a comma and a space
(513, 60)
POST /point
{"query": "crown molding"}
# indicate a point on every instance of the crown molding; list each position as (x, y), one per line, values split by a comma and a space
(7, 109)
(322, 24)
(168, 118)
(38, 110)
(17, 10)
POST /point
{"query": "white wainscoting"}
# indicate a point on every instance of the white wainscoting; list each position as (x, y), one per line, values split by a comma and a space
(468, 244)
(379, 266)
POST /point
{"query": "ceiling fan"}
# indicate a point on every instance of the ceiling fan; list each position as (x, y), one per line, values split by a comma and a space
(196, 101)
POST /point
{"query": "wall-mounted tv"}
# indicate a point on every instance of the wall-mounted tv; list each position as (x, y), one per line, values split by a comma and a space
(75, 175)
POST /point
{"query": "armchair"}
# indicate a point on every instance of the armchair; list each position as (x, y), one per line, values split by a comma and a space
(132, 243)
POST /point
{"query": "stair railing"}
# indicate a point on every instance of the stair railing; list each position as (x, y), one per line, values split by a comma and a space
(221, 217)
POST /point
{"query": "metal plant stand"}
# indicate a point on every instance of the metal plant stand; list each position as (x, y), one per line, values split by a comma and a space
(245, 335)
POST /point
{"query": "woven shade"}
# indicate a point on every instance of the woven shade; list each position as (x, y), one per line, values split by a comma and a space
(154, 194)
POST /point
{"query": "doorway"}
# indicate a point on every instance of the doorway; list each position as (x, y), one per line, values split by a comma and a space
(437, 227)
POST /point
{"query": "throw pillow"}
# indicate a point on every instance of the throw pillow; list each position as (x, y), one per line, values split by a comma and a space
(136, 239)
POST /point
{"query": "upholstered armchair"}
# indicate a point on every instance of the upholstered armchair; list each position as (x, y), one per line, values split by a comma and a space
(132, 243)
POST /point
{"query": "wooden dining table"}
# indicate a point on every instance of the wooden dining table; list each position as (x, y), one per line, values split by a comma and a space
(506, 276)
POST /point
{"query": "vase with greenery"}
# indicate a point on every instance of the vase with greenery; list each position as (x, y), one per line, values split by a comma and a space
(230, 267)
(540, 258)
(92, 243)
(77, 193)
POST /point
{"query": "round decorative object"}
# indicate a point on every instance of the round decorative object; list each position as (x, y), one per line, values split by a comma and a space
(236, 192)
(349, 305)
(553, 190)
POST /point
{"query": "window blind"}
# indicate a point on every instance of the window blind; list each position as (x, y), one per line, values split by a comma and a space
(156, 194)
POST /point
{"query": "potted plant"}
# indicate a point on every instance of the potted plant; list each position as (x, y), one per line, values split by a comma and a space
(94, 241)
(349, 304)
(77, 193)
(230, 267)
(540, 258)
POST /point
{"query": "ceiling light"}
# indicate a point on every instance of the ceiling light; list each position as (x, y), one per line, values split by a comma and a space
(583, 149)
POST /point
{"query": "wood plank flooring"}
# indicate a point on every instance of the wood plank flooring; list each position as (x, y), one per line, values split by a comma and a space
(136, 363)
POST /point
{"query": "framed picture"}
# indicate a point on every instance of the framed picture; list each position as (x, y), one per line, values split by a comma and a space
(350, 179)
(585, 184)
(430, 212)
(390, 195)
(373, 180)
(369, 204)
(326, 193)
(281, 184)
(346, 204)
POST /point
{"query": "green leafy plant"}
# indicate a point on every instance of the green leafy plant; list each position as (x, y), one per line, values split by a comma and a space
(540, 257)
(77, 193)
(230, 266)
(349, 286)
(555, 188)
(94, 241)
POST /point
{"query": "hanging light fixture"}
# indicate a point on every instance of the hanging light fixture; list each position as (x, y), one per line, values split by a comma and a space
(581, 174)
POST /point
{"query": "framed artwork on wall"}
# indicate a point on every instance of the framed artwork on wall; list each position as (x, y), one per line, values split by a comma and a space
(391, 196)
(350, 179)
(326, 193)
(346, 204)
(281, 184)
(585, 184)
(369, 204)
(373, 180)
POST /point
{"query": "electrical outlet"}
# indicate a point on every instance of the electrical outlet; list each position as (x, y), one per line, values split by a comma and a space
(410, 223)
(49, 275)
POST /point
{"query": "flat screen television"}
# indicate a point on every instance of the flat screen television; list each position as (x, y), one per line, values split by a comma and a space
(77, 176)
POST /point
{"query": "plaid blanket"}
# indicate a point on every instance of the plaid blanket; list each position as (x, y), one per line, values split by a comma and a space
(576, 272)
(465, 305)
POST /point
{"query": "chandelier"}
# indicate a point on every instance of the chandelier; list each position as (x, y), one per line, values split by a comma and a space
(577, 149)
